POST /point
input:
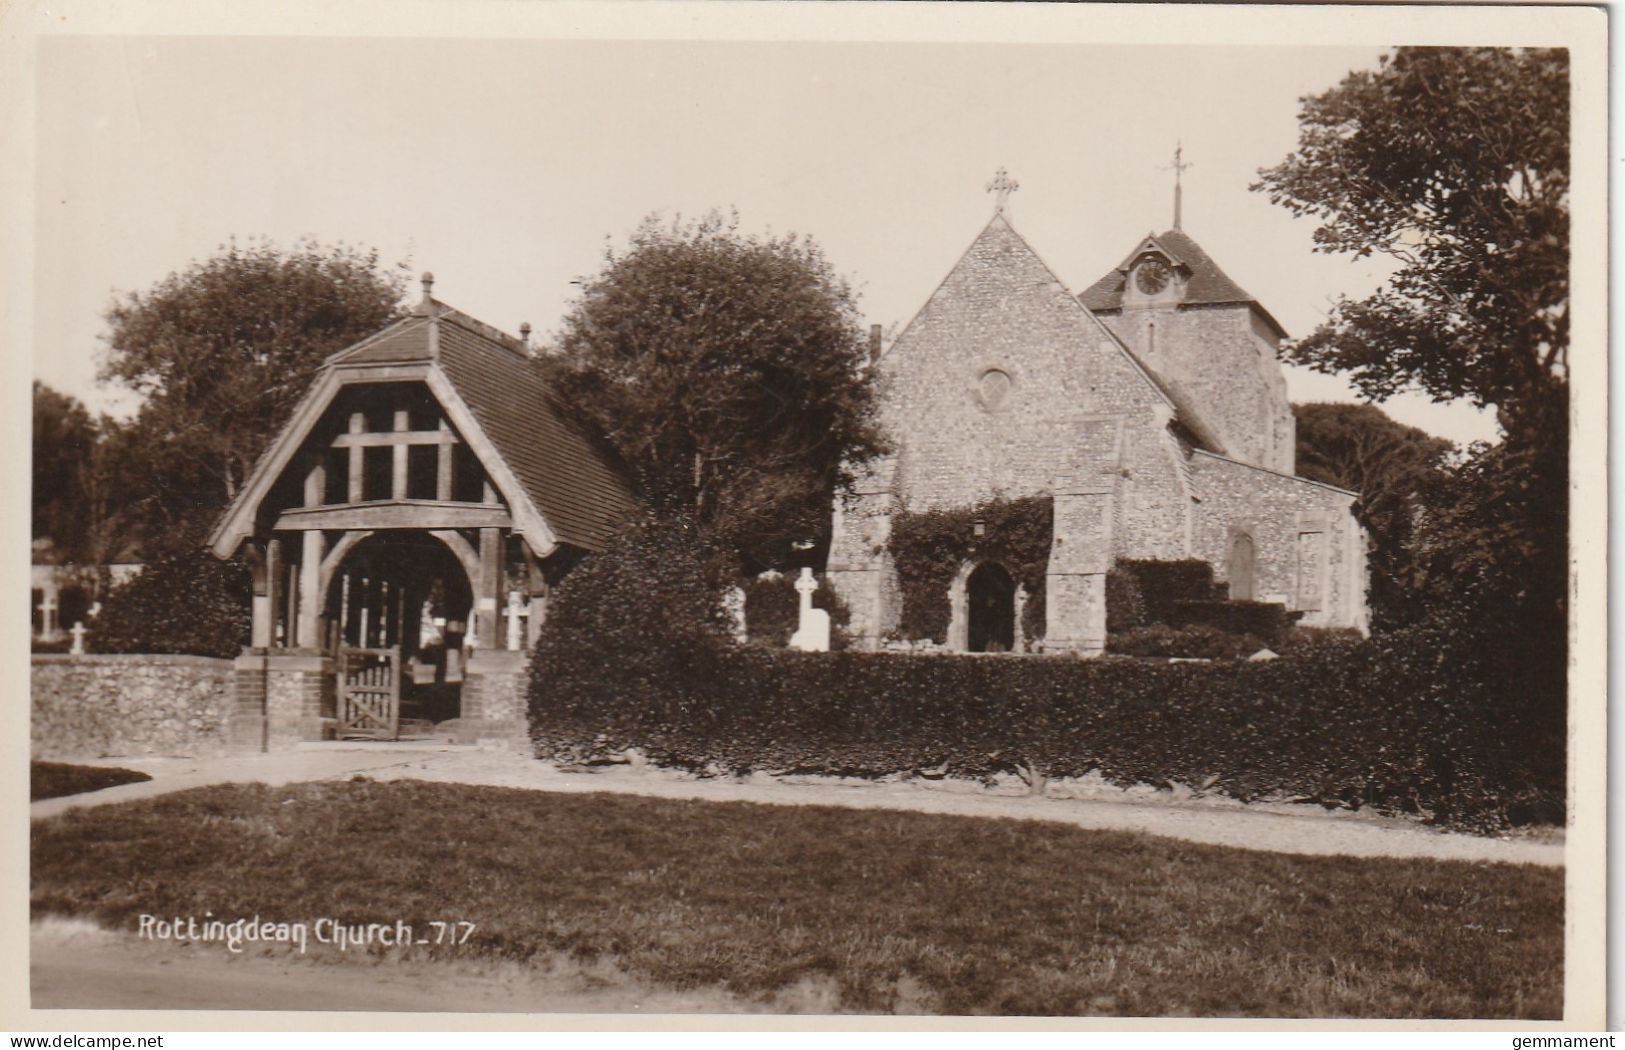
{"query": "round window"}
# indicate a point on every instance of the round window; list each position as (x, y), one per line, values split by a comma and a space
(994, 387)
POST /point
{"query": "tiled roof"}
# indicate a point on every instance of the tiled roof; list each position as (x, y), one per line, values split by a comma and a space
(405, 341)
(572, 479)
(1208, 285)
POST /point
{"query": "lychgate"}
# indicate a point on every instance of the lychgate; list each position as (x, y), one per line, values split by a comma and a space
(404, 530)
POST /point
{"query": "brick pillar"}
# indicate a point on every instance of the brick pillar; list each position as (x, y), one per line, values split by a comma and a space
(494, 699)
(298, 691)
(245, 724)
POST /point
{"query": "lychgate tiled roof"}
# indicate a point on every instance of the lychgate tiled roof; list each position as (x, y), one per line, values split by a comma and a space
(1208, 284)
(573, 480)
(403, 342)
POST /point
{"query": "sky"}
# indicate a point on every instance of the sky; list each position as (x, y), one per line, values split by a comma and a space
(507, 166)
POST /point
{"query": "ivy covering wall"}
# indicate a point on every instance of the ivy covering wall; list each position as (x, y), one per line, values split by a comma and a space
(929, 548)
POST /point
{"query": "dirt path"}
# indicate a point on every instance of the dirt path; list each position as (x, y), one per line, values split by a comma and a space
(76, 965)
(1086, 804)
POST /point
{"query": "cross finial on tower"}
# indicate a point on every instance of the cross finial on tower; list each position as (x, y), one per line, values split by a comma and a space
(1178, 167)
(1002, 186)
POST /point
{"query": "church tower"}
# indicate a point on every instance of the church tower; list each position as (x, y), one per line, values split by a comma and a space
(1209, 342)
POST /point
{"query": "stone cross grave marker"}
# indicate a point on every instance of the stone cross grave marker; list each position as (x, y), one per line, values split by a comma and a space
(47, 609)
(812, 635)
(78, 633)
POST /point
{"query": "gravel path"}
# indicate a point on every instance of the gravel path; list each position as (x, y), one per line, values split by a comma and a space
(1085, 804)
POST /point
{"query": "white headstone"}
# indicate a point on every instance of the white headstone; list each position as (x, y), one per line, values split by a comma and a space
(78, 633)
(733, 600)
(812, 634)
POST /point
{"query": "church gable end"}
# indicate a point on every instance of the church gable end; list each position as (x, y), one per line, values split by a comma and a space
(995, 384)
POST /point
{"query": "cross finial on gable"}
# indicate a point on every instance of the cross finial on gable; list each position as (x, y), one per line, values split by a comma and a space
(1002, 186)
(1178, 168)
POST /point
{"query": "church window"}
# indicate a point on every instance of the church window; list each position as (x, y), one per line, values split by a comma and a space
(994, 388)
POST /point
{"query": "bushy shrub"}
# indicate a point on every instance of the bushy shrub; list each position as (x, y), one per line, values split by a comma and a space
(1197, 641)
(631, 635)
(1125, 605)
(1418, 721)
(1162, 583)
(1264, 620)
(184, 601)
(773, 611)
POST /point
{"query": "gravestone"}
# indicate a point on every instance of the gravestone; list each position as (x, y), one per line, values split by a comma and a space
(733, 600)
(78, 633)
(812, 634)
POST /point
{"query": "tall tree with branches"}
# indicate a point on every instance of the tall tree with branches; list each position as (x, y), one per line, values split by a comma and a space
(222, 351)
(1394, 468)
(727, 370)
(1453, 162)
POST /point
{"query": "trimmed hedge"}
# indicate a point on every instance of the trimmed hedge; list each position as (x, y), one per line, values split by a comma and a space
(1266, 620)
(1199, 641)
(1162, 583)
(1410, 726)
(1431, 720)
(1125, 604)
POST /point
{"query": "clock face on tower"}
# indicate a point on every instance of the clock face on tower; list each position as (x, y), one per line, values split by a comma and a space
(1152, 276)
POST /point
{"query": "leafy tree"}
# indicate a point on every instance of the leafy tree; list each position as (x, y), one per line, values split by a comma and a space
(223, 350)
(1393, 467)
(1454, 162)
(1492, 547)
(64, 442)
(79, 509)
(727, 372)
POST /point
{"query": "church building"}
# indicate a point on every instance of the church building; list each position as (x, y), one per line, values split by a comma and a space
(1150, 407)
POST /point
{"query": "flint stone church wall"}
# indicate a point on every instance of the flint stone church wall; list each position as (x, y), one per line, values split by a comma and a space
(91, 706)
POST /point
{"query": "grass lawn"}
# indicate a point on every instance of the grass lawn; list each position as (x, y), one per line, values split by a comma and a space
(55, 779)
(952, 914)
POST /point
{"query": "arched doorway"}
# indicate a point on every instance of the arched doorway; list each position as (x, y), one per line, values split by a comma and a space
(990, 598)
(398, 608)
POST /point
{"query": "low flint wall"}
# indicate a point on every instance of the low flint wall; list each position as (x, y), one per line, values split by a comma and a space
(109, 705)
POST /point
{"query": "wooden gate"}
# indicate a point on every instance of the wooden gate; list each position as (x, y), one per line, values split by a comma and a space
(369, 693)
